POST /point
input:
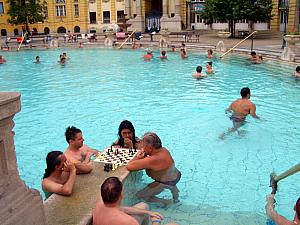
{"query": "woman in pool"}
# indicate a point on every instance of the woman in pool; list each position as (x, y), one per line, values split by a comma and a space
(127, 138)
(59, 175)
(210, 53)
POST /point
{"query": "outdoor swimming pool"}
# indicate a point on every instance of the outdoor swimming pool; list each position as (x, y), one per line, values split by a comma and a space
(223, 181)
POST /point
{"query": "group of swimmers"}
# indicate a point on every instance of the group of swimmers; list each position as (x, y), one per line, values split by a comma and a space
(60, 174)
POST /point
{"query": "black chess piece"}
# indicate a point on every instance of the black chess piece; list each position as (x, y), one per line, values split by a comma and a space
(117, 152)
(107, 167)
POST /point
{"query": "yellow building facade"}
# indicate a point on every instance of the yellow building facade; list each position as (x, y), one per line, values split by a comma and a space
(84, 16)
(60, 16)
(286, 16)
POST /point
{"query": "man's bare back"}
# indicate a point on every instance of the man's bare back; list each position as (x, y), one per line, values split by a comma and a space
(243, 107)
(104, 215)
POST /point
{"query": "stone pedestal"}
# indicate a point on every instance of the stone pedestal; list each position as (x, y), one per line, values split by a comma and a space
(137, 23)
(172, 24)
(19, 205)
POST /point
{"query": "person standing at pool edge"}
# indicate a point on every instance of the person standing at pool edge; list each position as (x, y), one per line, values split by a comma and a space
(240, 108)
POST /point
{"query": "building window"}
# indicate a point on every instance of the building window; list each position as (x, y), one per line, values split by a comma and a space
(93, 18)
(75, 1)
(76, 10)
(60, 2)
(106, 16)
(1, 8)
(46, 12)
(60, 10)
(76, 29)
(120, 16)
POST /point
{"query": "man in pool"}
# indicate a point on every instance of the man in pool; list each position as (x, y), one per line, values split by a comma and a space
(109, 210)
(77, 152)
(240, 108)
(160, 166)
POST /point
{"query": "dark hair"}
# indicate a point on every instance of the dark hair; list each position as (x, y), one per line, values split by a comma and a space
(210, 51)
(111, 190)
(151, 139)
(298, 69)
(71, 133)
(245, 91)
(126, 124)
(253, 53)
(182, 44)
(37, 57)
(209, 63)
(199, 69)
(163, 53)
(52, 160)
(297, 208)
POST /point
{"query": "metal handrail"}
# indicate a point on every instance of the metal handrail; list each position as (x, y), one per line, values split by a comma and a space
(238, 44)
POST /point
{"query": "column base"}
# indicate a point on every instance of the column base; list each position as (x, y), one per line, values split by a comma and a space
(137, 23)
(172, 24)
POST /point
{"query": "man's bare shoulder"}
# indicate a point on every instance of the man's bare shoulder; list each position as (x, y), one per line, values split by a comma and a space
(112, 216)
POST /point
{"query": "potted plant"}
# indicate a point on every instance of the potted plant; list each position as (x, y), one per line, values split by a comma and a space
(224, 34)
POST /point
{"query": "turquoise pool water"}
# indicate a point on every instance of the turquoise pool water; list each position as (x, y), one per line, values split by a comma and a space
(98, 88)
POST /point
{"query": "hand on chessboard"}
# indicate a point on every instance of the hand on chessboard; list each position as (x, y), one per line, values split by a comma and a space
(141, 154)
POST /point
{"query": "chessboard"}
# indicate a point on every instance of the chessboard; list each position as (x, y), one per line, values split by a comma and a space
(116, 156)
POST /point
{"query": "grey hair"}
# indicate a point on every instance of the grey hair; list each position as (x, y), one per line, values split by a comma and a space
(151, 139)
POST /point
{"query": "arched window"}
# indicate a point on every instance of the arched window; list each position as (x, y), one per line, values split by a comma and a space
(46, 30)
(76, 29)
(61, 30)
(3, 32)
(16, 32)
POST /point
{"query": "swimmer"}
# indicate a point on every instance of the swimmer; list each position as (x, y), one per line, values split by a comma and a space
(199, 74)
(80, 44)
(253, 56)
(65, 56)
(240, 108)
(37, 59)
(134, 45)
(209, 69)
(2, 60)
(297, 72)
(210, 53)
(183, 53)
(148, 56)
(173, 49)
(163, 55)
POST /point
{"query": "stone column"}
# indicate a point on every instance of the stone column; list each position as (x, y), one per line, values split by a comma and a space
(138, 8)
(18, 204)
(127, 8)
(137, 23)
(188, 24)
(177, 7)
(165, 8)
(292, 25)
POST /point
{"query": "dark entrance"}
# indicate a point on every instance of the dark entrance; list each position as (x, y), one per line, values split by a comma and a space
(153, 14)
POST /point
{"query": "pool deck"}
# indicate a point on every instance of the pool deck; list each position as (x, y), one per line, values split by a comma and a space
(77, 208)
(268, 44)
